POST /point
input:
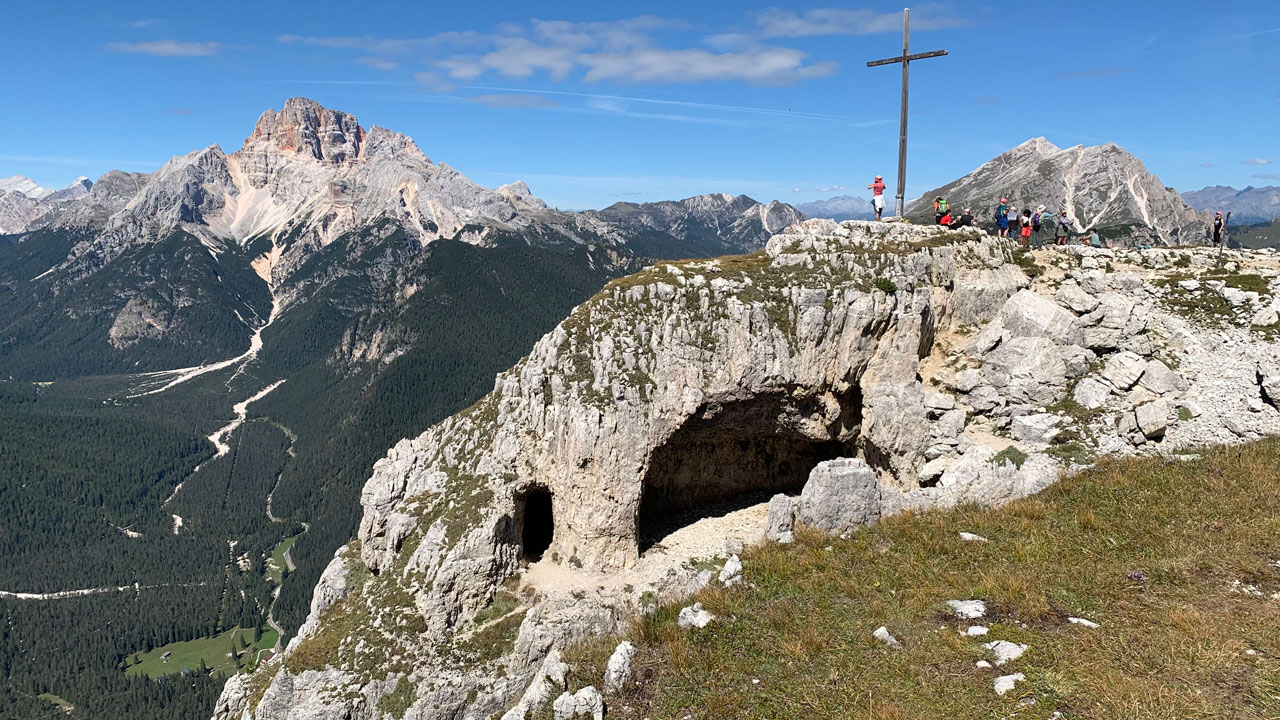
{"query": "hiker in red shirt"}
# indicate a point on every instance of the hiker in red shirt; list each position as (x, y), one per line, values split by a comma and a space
(877, 195)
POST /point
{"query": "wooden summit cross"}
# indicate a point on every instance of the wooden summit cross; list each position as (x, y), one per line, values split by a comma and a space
(905, 59)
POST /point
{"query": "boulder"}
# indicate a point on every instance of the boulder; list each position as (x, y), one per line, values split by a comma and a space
(1003, 651)
(1038, 429)
(619, 672)
(967, 609)
(782, 516)
(1153, 418)
(841, 495)
(1091, 393)
(584, 703)
(1027, 370)
(1159, 379)
(1076, 299)
(551, 676)
(1123, 370)
(1269, 383)
(965, 381)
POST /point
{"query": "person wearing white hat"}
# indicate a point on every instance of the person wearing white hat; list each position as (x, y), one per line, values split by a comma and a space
(877, 195)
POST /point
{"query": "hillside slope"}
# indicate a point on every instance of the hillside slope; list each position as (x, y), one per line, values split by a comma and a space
(647, 432)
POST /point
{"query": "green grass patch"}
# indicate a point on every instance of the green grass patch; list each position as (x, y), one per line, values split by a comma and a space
(1148, 548)
(57, 700)
(214, 652)
(886, 285)
(397, 702)
(276, 563)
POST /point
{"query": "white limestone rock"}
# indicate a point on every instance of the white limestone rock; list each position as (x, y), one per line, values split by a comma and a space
(1006, 683)
(1123, 369)
(782, 516)
(968, 609)
(586, 703)
(883, 635)
(1153, 418)
(694, 616)
(1091, 393)
(1003, 651)
(731, 573)
(841, 495)
(619, 672)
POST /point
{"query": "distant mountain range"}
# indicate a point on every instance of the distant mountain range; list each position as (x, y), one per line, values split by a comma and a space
(841, 207)
(1102, 186)
(22, 201)
(1248, 206)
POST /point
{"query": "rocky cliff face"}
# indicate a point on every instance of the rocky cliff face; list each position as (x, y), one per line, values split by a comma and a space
(644, 433)
(721, 221)
(22, 202)
(1102, 186)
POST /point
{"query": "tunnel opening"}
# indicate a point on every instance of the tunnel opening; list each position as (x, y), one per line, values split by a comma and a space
(732, 455)
(536, 519)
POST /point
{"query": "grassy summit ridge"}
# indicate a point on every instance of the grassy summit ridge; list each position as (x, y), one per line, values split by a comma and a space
(1176, 561)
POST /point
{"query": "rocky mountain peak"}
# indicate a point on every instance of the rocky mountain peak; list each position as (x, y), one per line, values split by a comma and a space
(306, 127)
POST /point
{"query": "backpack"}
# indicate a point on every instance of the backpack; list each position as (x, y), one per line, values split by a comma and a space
(1035, 222)
(996, 214)
(942, 206)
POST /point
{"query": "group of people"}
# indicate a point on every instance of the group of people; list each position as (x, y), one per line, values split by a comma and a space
(1026, 226)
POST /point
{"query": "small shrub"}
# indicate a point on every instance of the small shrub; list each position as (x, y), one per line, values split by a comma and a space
(1184, 413)
(886, 285)
(1011, 455)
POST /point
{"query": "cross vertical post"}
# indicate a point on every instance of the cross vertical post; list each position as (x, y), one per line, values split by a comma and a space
(905, 59)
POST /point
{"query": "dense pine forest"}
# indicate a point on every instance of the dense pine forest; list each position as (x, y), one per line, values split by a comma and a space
(88, 469)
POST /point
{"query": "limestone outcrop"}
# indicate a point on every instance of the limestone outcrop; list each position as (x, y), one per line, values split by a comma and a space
(848, 371)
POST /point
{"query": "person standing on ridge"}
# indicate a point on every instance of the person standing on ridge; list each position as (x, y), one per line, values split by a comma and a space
(1064, 228)
(1002, 218)
(877, 195)
(1036, 226)
(1218, 226)
(1025, 235)
(939, 209)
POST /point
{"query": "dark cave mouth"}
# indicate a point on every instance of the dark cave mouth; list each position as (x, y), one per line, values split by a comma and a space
(537, 523)
(737, 455)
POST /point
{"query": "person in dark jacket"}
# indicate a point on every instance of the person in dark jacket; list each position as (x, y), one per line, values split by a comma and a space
(1218, 226)
(965, 220)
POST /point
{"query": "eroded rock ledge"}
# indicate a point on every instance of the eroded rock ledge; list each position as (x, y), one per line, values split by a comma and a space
(691, 392)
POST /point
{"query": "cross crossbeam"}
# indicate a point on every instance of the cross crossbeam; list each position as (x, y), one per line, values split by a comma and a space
(905, 58)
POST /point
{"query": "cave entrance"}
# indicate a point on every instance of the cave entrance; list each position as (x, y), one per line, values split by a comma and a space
(730, 456)
(537, 523)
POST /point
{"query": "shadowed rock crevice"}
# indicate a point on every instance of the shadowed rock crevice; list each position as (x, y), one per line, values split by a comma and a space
(535, 522)
(733, 454)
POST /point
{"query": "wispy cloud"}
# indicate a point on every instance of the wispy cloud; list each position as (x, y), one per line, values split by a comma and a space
(774, 112)
(180, 111)
(381, 45)
(166, 48)
(1256, 161)
(142, 23)
(513, 100)
(1095, 73)
(776, 22)
(1206, 164)
(1212, 40)
(377, 63)
(827, 189)
(986, 100)
(625, 51)
(1267, 176)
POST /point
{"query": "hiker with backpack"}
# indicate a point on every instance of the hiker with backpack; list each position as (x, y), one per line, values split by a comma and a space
(940, 209)
(1064, 228)
(877, 195)
(1036, 227)
(1218, 227)
(1002, 218)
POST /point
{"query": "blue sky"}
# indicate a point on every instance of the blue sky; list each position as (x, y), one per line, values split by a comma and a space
(593, 102)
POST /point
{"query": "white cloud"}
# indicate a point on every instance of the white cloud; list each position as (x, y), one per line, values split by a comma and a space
(166, 48)
(1267, 176)
(833, 188)
(383, 46)
(142, 23)
(765, 66)
(1206, 164)
(1256, 161)
(776, 22)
